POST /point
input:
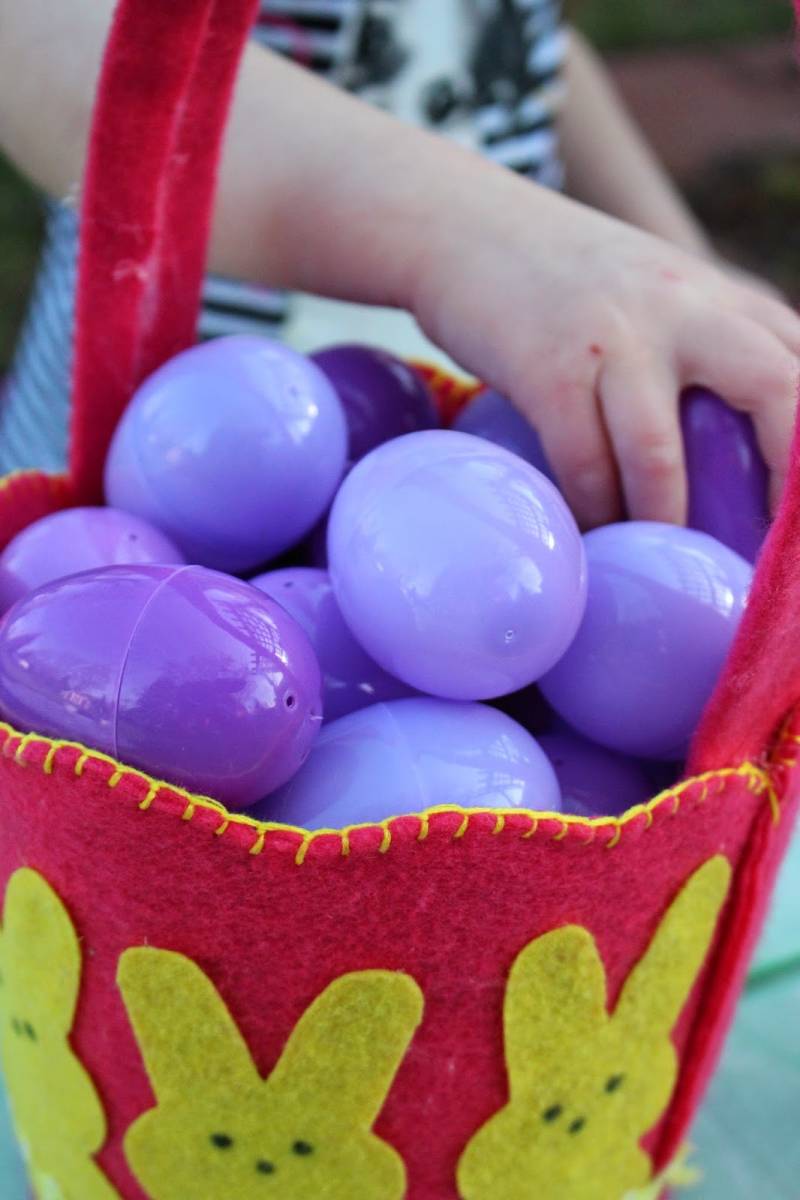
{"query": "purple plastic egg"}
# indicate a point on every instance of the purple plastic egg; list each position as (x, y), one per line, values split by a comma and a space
(382, 396)
(78, 539)
(350, 678)
(410, 755)
(458, 567)
(492, 416)
(662, 609)
(728, 480)
(594, 782)
(188, 674)
(234, 448)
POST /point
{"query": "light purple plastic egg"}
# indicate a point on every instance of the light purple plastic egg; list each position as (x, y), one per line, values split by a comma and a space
(78, 539)
(458, 566)
(594, 782)
(728, 479)
(662, 609)
(409, 755)
(492, 416)
(234, 448)
(350, 678)
(188, 674)
(382, 396)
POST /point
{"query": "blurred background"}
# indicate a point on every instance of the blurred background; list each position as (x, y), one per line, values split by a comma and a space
(713, 83)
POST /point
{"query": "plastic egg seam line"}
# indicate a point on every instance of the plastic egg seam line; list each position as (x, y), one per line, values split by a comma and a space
(757, 778)
(135, 629)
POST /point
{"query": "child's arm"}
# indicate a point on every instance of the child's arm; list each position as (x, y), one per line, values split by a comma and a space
(591, 327)
(609, 164)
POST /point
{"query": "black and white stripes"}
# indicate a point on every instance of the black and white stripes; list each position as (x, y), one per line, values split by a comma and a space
(320, 34)
(517, 70)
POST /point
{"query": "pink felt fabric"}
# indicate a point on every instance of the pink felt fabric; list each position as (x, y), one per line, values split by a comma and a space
(761, 683)
(26, 496)
(454, 912)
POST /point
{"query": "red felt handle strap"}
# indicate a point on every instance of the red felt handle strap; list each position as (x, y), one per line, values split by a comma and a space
(761, 682)
(159, 117)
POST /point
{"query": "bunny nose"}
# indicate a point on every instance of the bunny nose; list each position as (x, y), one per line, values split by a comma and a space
(265, 1167)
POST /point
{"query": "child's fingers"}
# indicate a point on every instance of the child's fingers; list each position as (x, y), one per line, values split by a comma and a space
(776, 317)
(753, 371)
(639, 398)
(577, 446)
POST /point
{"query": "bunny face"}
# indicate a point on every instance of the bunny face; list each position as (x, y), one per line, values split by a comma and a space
(585, 1086)
(56, 1111)
(219, 1130)
(252, 1145)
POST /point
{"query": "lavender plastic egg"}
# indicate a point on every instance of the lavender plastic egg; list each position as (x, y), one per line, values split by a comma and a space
(662, 609)
(188, 674)
(594, 782)
(409, 755)
(350, 678)
(492, 416)
(78, 539)
(382, 396)
(234, 448)
(457, 566)
(728, 494)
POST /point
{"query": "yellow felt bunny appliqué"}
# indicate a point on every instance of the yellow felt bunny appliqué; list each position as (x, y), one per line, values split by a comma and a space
(585, 1085)
(220, 1131)
(56, 1111)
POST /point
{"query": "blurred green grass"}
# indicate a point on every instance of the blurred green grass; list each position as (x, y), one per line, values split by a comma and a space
(20, 233)
(630, 24)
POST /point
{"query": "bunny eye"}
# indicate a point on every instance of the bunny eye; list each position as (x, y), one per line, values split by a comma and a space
(302, 1148)
(552, 1113)
(223, 1141)
(614, 1082)
(30, 1032)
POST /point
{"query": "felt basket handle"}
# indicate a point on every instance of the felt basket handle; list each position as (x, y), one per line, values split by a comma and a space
(761, 682)
(159, 118)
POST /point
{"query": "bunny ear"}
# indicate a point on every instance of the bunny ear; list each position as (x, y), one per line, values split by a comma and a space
(556, 991)
(346, 1048)
(41, 954)
(186, 1035)
(658, 987)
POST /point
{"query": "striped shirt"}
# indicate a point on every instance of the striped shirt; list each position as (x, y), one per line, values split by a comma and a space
(485, 72)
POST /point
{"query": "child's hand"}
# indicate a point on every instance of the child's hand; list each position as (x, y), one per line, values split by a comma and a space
(593, 328)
